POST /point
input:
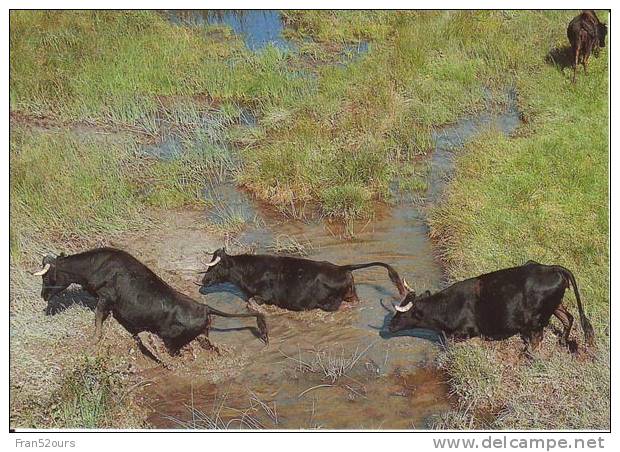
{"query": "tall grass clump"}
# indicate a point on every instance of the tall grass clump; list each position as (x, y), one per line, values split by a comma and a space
(86, 395)
(69, 187)
(90, 396)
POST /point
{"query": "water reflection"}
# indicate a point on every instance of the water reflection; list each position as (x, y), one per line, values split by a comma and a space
(258, 28)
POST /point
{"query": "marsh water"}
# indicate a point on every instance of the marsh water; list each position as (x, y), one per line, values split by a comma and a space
(339, 370)
(257, 28)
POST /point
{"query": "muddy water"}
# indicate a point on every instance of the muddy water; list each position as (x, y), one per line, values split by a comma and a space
(337, 370)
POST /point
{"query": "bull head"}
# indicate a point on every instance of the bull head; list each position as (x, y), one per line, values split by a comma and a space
(409, 305)
(47, 263)
(217, 270)
(404, 308)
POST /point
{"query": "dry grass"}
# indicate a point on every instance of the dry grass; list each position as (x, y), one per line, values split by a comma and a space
(497, 389)
(50, 359)
(329, 364)
(286, 244)
(258, 414)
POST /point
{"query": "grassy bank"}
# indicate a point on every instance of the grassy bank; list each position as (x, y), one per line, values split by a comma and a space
(121, 66)
(542, 195)
(58, 381)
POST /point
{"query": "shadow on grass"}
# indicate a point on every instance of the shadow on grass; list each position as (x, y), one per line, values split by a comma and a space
(561, 57)
(68, 298)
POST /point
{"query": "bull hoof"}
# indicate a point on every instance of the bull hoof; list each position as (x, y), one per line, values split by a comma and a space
(572, 346)
(93, 342)
(528, 356)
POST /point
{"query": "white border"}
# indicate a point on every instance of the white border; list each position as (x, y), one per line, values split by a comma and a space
(375, 441)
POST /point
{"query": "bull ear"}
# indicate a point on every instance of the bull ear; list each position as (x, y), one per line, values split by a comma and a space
(49, 259)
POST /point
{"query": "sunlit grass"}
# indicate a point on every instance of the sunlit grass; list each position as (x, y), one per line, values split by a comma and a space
(542, 195)
(67, 186)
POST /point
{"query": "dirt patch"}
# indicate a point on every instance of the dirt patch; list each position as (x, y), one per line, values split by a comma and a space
(19, 118)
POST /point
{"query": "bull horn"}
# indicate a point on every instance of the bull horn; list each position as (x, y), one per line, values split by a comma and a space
(403, 308)
(211, 264)
(43, 271)
(407, 285)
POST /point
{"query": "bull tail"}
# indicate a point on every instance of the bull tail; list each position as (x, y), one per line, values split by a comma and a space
(393, 274)
(261, 323)
(586, 326)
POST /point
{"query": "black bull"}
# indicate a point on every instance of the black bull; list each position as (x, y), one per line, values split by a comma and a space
(136, 296)
(289, 282)
(519, 300)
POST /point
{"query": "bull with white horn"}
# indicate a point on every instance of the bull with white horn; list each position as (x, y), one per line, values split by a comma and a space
(51, 285)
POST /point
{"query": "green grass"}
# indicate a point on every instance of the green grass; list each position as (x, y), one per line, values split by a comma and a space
(86, 395)
(320, 129)
(69, 187)
(113, 66)
(339, 26)
(542, 195)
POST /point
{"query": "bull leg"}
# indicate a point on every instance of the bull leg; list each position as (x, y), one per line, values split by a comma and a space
(101, 314)
(576, 62)
(535, 339)
(145, 351)
(351, 295)
(173, 346)
(532, 342)
(567, 322)
(205, 343)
